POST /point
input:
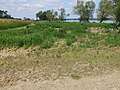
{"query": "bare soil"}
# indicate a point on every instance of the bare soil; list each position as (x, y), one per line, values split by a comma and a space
(103, 82)
(61, 68)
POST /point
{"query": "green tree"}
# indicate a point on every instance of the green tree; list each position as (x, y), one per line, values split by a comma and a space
(104, 10)
(116, 10)
(63, 14)
(39, 15)
(85, 10)
(49, 15)
(55, 15)
(4, 14)
(1, 13)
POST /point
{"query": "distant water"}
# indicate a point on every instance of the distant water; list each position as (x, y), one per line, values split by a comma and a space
(107, 21)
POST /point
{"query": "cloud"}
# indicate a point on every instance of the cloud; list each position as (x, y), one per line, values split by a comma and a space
(28, 6)
(49, 1)
(12, 1)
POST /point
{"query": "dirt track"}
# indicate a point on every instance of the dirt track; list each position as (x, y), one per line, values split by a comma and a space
(103, 82)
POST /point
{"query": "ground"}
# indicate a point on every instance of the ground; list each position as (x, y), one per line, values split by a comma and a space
(102, 82)
(60, 56)
(35, 69)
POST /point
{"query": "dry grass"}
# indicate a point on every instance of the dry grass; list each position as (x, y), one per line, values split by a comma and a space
(8, 21)
(35, 64)
(12, 23)
(84, 57)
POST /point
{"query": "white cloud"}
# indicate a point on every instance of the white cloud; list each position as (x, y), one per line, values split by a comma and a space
(28, 6)
(49, 1)
(12, 1)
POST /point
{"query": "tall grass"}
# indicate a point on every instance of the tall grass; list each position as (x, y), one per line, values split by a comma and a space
(9, 23)
(45, 34)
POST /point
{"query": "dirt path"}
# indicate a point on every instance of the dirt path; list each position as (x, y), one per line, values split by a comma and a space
(103, 82)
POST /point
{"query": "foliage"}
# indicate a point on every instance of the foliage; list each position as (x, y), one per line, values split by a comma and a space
(3, 14)
(52, 15)
(63, 14)
(85, 10)
(104, 10)
(45, 34)
(116, 10)
(49, 15)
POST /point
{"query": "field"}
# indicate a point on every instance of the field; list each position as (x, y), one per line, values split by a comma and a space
(45, 35)
(55, 50)
(11, 23)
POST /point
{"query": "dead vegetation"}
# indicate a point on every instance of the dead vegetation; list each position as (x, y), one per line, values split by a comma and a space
(35, 64)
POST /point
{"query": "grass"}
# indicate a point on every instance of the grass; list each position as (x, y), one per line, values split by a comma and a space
(50, 64)
(45, 34)
(51, 50)
(11, 23)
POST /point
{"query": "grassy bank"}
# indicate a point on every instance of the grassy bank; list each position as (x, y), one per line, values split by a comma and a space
(11, 23)
(51, 50)
(47, 34)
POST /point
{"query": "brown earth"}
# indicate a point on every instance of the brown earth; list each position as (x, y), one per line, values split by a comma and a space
(63, 68)
(103, 82)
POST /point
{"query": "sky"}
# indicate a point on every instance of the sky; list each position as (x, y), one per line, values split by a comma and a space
(28, 8)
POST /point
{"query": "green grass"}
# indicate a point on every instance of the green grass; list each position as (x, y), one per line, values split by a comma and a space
(45, 34)
(11, 23)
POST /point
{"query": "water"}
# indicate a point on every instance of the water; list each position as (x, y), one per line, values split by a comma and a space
(107, 21)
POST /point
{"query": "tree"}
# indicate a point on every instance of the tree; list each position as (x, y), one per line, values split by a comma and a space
(55, 15)
(85, 10)
(3, 14)
(116, 10)
(49, 15)
(104, 10)
(39, 15)
(63, 14)
(52, 15)
(90, 7)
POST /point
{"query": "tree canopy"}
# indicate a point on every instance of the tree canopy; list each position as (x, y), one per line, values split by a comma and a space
(104, 11)
(3, 14)
(116, 10)
(52, 15)
(85, 10)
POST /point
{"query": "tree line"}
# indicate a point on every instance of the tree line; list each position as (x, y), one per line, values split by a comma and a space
(52, 15)
(108, 9)
(4, 14)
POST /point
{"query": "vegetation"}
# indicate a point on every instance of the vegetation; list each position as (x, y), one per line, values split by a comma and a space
(43, 50)
(45, 35)
(52, 15)
(116, 10)
(11, 23)
(63, 14)
(104, 10)
(3, 14)
(46, 15)
(109, 9)
(85, 10)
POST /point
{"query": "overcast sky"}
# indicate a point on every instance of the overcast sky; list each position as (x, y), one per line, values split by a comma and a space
(28, 8)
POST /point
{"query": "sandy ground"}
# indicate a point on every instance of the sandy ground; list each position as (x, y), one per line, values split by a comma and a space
(102, 82)
(21, 71)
